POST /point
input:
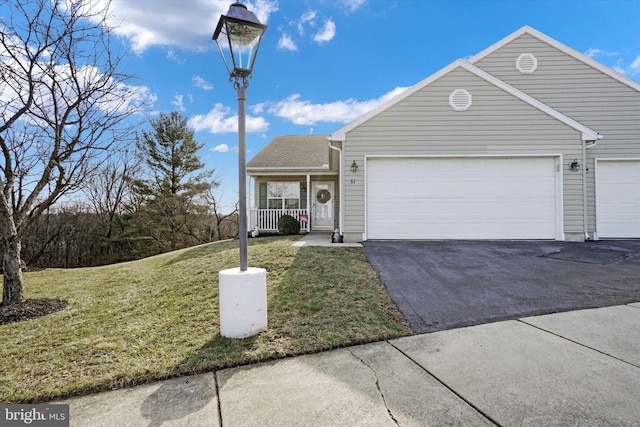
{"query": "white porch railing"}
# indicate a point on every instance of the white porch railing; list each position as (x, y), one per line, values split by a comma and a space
(267, 219)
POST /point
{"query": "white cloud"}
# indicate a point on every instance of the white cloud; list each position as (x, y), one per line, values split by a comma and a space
(114, 98)
(221, 148)
(219, 120)
(202, 83)
(307, 23)
(632, 69)
(149, 23)
(635, 66)
(263, 9)
(353, 5)
(618, 67)
(305, 19)
(257, 108)
(592, 53)
(308, 16)
(302, 112)
(178, 103)
(287, 43)
(173, 55)
(327, 33)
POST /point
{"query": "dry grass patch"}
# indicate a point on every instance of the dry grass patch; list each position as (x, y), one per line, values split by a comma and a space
(157, 318)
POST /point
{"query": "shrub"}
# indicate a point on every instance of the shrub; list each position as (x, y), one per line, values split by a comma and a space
(288, 225)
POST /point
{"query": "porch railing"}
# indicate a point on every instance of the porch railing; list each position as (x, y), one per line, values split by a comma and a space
(267, 219)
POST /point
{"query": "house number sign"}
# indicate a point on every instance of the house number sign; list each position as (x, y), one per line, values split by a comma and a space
(323, 196)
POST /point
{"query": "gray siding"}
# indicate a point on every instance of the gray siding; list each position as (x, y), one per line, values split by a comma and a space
(497, 123)
(579, 91)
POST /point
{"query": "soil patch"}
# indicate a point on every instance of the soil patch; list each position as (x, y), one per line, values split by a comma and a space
(30, 309)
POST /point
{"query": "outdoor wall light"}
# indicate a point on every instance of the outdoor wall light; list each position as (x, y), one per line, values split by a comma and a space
(354, 167)
(242, 291)
(575, 166)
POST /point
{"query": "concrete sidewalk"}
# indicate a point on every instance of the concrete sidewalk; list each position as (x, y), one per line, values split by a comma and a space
(322, 239)
(578, 368)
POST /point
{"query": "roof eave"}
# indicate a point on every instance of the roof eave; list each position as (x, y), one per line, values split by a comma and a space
(294, 168)
(292, 172)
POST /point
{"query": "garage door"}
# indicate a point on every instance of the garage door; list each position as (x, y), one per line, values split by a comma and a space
(462, 198)
(618, 198)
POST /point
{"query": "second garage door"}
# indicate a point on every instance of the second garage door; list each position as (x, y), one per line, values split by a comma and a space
(462, 198)
(618, 198)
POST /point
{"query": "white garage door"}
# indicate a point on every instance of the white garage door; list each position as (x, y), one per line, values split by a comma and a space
(462, 198)
(618, 198)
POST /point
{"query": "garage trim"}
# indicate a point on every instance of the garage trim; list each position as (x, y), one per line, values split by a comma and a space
(559, 214)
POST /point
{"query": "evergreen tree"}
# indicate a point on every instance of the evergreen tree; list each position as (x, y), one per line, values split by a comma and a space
(174, 192)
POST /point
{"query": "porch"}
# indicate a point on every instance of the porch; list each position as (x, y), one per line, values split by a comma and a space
(266, 220)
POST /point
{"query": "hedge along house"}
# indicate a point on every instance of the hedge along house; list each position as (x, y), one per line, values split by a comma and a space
(297, 176)
(529, 139)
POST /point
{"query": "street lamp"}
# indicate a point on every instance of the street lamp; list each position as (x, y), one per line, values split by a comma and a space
(243, 294)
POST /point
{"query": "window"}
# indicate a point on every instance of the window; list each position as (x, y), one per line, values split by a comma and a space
(274, 195)
(283, 195)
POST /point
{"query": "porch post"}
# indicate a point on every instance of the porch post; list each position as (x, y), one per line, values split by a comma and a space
(251, 203)
(308, 203)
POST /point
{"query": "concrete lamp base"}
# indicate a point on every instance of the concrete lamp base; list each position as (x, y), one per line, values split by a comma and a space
(243, 302)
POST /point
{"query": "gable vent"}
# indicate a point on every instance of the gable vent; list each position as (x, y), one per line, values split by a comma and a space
(526, 63)
(460, 100)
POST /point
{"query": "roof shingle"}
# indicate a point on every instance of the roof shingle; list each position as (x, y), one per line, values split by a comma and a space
(293, 152)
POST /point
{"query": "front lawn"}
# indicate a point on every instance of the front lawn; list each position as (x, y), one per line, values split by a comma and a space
(157, 318)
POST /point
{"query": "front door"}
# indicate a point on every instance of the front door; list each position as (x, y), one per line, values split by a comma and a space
(322, 206)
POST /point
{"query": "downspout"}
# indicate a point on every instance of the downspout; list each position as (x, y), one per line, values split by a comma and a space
(341, 186)
(585, 213)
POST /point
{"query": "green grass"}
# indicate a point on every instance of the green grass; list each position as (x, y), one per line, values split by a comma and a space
(157, 318)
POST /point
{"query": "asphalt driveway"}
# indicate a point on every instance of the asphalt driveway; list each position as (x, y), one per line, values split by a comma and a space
(439, 285)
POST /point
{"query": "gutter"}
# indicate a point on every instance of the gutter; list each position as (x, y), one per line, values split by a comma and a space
(340, 186)
(585, 215)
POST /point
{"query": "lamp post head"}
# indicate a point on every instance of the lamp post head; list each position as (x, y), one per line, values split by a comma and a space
(240, 32)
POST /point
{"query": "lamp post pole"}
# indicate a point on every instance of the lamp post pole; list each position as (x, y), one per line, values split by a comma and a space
(242, 291)
(241, 91)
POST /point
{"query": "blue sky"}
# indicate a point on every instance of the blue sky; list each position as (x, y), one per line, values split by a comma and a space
(323, 63)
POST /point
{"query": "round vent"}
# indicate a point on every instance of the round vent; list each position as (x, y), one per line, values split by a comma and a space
(526, 63)
(460, 100)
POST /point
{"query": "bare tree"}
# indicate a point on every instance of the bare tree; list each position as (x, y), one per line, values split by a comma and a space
(224, 225)
(63, 101)
(108, 190)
